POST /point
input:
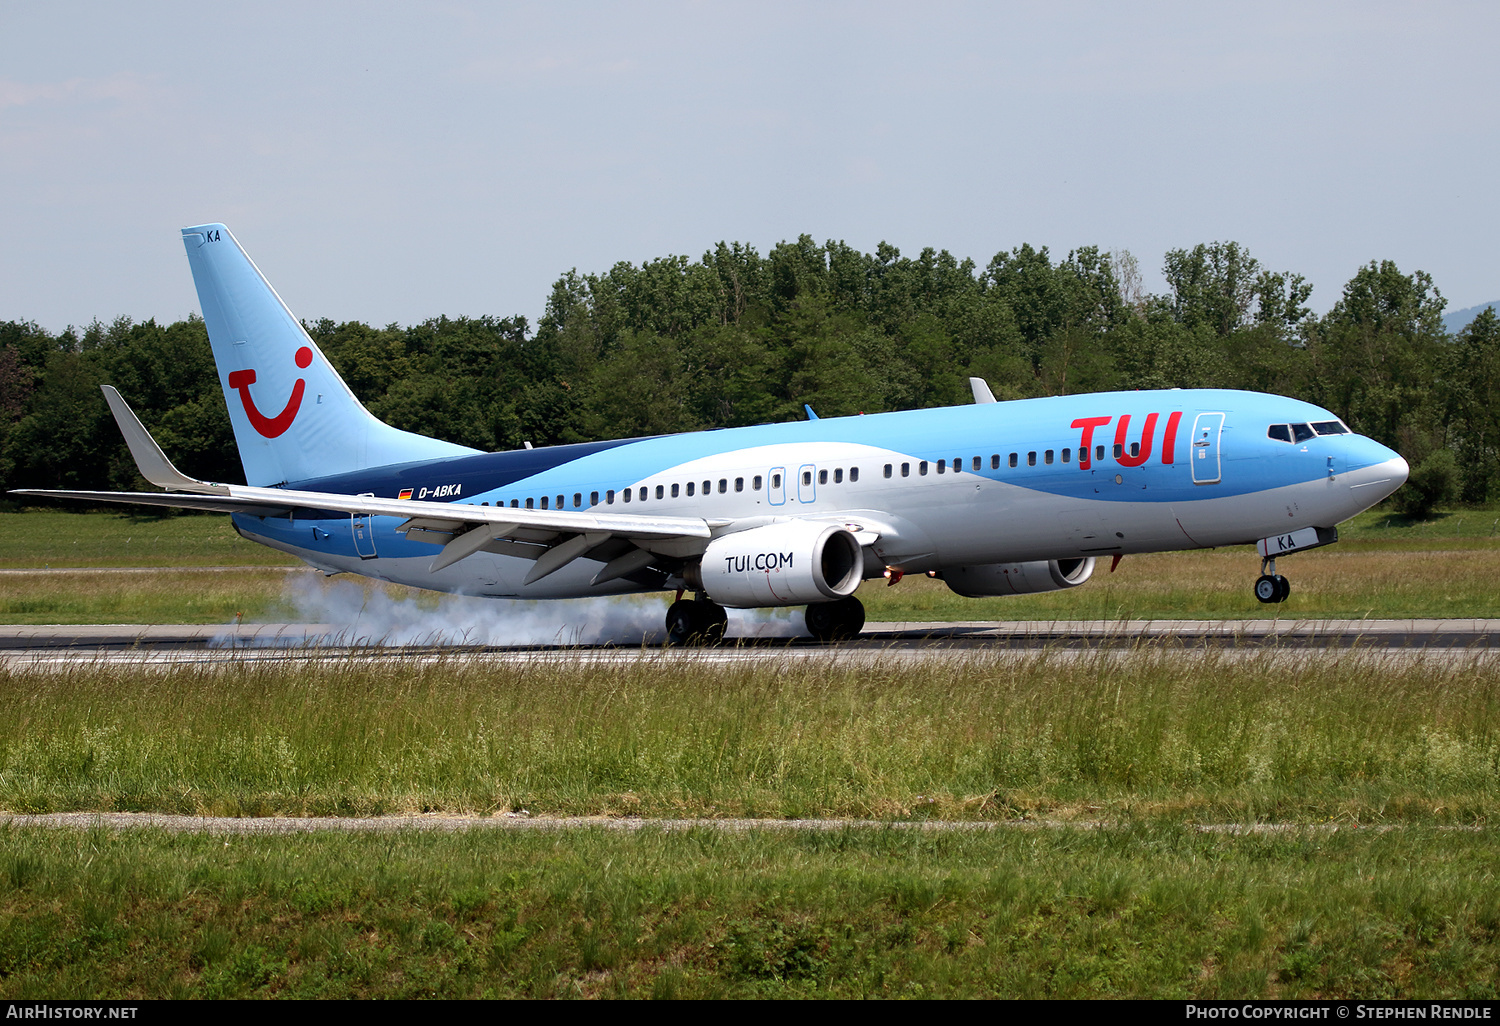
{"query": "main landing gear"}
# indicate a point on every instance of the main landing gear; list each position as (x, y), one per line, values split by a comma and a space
(1271, 586)
(836, 621)
(698, 621)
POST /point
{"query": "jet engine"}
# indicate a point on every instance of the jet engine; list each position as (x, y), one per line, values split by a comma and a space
(1018, 578)
(787, 564)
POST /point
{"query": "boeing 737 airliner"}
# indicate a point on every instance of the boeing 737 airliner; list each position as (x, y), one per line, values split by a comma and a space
(993, 498)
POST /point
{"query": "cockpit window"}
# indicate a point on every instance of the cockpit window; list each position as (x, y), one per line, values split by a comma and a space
(1280, 432)
(1301, 432)
(1330, 427)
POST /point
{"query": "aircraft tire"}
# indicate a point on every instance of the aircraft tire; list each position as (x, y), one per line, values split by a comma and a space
(690, 622)
(1283, 588)
(1266, 589)
(682, 622)
(836, 621)
(712, 620)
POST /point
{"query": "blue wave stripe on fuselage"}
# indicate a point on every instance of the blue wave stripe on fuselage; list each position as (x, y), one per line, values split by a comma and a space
(1251, 461)
(474, 474)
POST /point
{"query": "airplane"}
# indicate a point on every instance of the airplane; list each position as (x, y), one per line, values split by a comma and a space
(993, 498)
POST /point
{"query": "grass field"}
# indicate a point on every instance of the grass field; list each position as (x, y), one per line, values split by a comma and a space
(1216, 738)
(42, 538)
(1369, 871)
(1386, 567)
(1136, 911)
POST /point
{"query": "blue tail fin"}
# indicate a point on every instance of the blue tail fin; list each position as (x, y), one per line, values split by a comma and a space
(293, 416)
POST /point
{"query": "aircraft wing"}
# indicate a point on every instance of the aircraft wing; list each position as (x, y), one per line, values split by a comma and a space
(553, 538)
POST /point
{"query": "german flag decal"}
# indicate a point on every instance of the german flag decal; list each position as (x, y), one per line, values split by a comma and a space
(405, 494)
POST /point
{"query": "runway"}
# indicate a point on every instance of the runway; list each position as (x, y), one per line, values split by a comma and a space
(44, 645)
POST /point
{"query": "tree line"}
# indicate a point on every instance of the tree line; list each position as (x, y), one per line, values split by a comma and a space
(739, 338)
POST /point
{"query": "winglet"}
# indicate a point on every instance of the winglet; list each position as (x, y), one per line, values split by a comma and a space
(810, 414)
(149, 459)
(981, 390)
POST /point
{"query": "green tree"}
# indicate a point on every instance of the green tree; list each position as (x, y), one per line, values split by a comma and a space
(1472, 385)
(1374, 355)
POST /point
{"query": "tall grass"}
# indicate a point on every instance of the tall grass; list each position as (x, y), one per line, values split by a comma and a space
(1151, 910)
(1207, 737)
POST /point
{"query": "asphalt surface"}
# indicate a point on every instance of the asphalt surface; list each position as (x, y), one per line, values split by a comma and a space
(971, 636)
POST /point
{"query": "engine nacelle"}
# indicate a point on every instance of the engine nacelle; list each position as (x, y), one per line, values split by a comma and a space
(788, 564)
(1018, 578)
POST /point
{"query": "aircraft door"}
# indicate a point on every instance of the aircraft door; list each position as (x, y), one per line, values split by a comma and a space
(1208, 430)
(807, 485)
(364, 536)
(776, 486)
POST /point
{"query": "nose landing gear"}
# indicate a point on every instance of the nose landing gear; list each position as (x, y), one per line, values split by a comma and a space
(1271, 586)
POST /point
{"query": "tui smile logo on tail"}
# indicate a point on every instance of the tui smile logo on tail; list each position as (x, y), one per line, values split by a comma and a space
(271, 427)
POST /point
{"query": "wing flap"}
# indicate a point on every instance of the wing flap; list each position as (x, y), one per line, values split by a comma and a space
(211, 503)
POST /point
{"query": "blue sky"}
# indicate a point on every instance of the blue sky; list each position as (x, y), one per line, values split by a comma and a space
(389, 162)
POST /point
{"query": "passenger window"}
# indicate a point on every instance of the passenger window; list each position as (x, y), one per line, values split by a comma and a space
(906, 470)
(1047, 457)
(1119, 450)
(660, 491)
(958, 464)
(1031, 459)
(1015, 460)
(577, 499)
(690, 488)
(775, 480)
(739, 484)
(515, 503)
(609, 496)
(723, 485)
(708, 486)
(674, 489)
(560, 503)
(544, 502)
(941, 465)
(530, 503)
(978, 464)
(1098, 452)
(1067, 455)
(1135, 449)
(838, 475)
(807, 477)
(995, 462)
(593, 498)
(1280, 432)
(756, 482)
(887, 470)
(822, 477)
(922, 468)
(627, 493)
(853, 474)
(1301, 432)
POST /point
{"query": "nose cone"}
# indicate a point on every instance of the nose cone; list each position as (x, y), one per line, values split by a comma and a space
(1400, 468)
(1374, 471)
